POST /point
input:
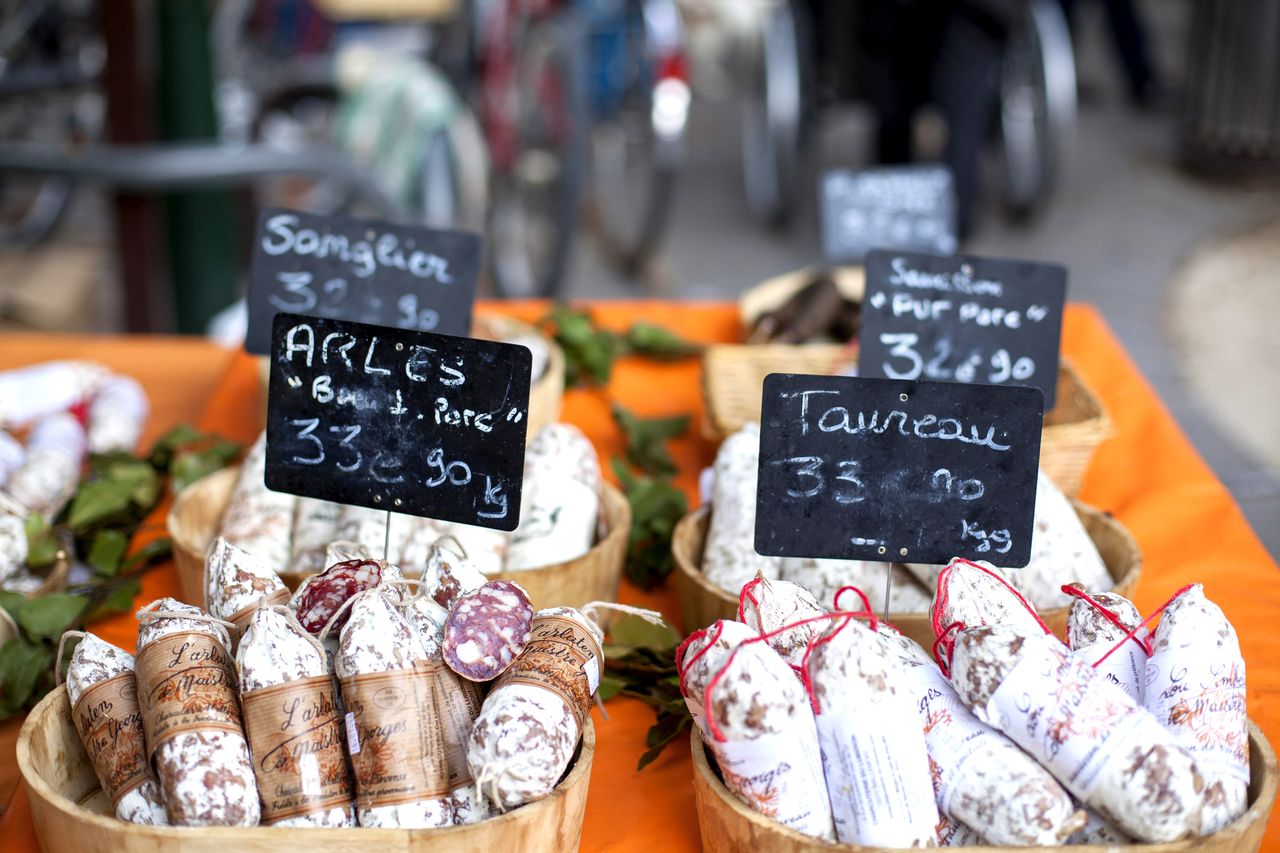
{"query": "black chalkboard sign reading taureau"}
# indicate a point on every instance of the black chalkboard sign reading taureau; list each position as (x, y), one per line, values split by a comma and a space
(362, 270)
(902, 207)
(887, 470)
(962, 319)
(410, 422)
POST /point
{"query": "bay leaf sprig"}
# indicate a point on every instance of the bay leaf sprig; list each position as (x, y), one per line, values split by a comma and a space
(640, 663)
(590, 349)
(657, 505)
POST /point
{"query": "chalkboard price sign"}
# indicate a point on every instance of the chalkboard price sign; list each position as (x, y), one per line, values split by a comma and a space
(405, 276)
(411, 422)
(888, 470)
(900, 207)
(962, 319)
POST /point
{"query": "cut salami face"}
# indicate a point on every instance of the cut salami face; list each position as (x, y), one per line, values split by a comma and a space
(487, 629)
(322, 595)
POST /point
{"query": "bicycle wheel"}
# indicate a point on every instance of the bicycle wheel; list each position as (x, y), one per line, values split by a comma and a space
(639, 106)
(1037, 108)
(537, 169)
(773, 114)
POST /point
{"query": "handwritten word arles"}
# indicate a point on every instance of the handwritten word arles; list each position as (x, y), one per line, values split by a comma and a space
(405, 276)
(962, 319)
(394, 419)
(890, 470)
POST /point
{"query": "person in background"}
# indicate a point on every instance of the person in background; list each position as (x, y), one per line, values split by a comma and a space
(1129, 33)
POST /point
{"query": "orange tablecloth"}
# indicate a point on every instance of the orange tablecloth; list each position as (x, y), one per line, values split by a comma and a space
(1148, 476)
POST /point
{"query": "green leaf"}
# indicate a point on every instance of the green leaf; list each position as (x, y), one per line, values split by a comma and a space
(667, 729)
(21, 665)
(156, 549)
(589, 351)
(107, 550)
(628, 630)
(50, 615)
(118, 600)
(12, 602)
(191, 465)
(99, 502)
(42, 542)
(169, 443)
(653, 341)
(656, 507)
(609, 687)
(647, 438)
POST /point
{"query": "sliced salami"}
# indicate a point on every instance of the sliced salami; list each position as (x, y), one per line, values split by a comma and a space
(321, 596)
(487, 629)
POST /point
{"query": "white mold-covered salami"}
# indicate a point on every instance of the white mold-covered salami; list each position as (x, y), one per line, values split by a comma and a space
(419, 541)
(294, 724)
(529, 726)
(258, 519)
(873, 754)
(971, 594)
(448, 572)
(560, 504)
(539, 352)
(340, 551)
(981, 779)
(1095, 627)
(486, 630)
(765, 741)
(117, 414)
(379, 648)
(1104, 748)
(28, 394)
(12, 453)
(237, 582)
(954, 834)
(1098, 830)
(1061, 552)
(13, 545)
(485, 548)
(824, 578)
(51, 470)
(1195, 686)
(103, 694)
(375, 529)
(315, 525)
(701, 656)
(730, 558)
(766, 606)
(193, 725)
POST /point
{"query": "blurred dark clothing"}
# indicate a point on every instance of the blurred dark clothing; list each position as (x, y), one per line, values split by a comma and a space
(1129, 34)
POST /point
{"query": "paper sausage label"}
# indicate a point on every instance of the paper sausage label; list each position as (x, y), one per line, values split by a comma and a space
(110, 727)
(295, 736)
(186, 682)
(562, 657)
(398, 750)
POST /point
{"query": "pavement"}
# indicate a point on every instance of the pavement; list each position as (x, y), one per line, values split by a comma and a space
(1131, 227)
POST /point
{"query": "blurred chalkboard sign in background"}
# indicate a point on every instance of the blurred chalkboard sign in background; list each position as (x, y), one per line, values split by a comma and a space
(895, 207)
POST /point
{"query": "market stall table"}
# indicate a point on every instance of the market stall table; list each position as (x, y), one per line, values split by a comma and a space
(1148, 476)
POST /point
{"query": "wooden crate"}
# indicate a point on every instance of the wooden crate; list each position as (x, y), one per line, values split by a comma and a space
(702, 602)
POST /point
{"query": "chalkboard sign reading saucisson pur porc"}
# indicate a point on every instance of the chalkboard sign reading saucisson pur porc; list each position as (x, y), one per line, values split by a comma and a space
(405, 276)
(962, 319)
(902, 207)
(887, 470)
(411, 422)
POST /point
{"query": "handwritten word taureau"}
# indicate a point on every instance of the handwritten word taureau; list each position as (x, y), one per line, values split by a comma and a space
(927, 426)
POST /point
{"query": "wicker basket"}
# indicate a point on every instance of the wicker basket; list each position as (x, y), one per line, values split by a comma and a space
(771, 293)
(545, 395)
(728, 825)
(71, 814)
(702, 602)
(733, 373)
(197, 514)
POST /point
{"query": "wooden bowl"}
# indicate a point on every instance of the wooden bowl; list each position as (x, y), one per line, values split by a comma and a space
(71, 814)
(702, 602)
(197, 514)
(728, 825)
(546, 393)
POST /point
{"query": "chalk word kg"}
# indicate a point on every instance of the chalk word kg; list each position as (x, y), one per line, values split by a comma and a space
(405, 276)
(962, 319)
(891, 470)
(410, 422)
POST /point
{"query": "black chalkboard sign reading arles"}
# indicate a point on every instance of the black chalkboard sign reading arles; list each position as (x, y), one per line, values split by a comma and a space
(962, 319)
(902, 207)
(886, 470)
(362, 270)
(410, 422)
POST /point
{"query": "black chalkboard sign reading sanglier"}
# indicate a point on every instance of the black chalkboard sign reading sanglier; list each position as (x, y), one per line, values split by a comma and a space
(405, 276)
(902, 207)
(411, 422)
(888, 470)
(962, 319)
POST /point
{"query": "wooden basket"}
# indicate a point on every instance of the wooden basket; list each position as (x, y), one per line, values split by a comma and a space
(728, 825)
(702, 602)
(545, 396)
(733, 373)
(197, 514)
(71, 814)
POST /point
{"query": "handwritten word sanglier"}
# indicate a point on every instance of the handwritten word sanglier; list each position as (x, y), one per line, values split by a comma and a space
(926, 426)
(282, 236)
